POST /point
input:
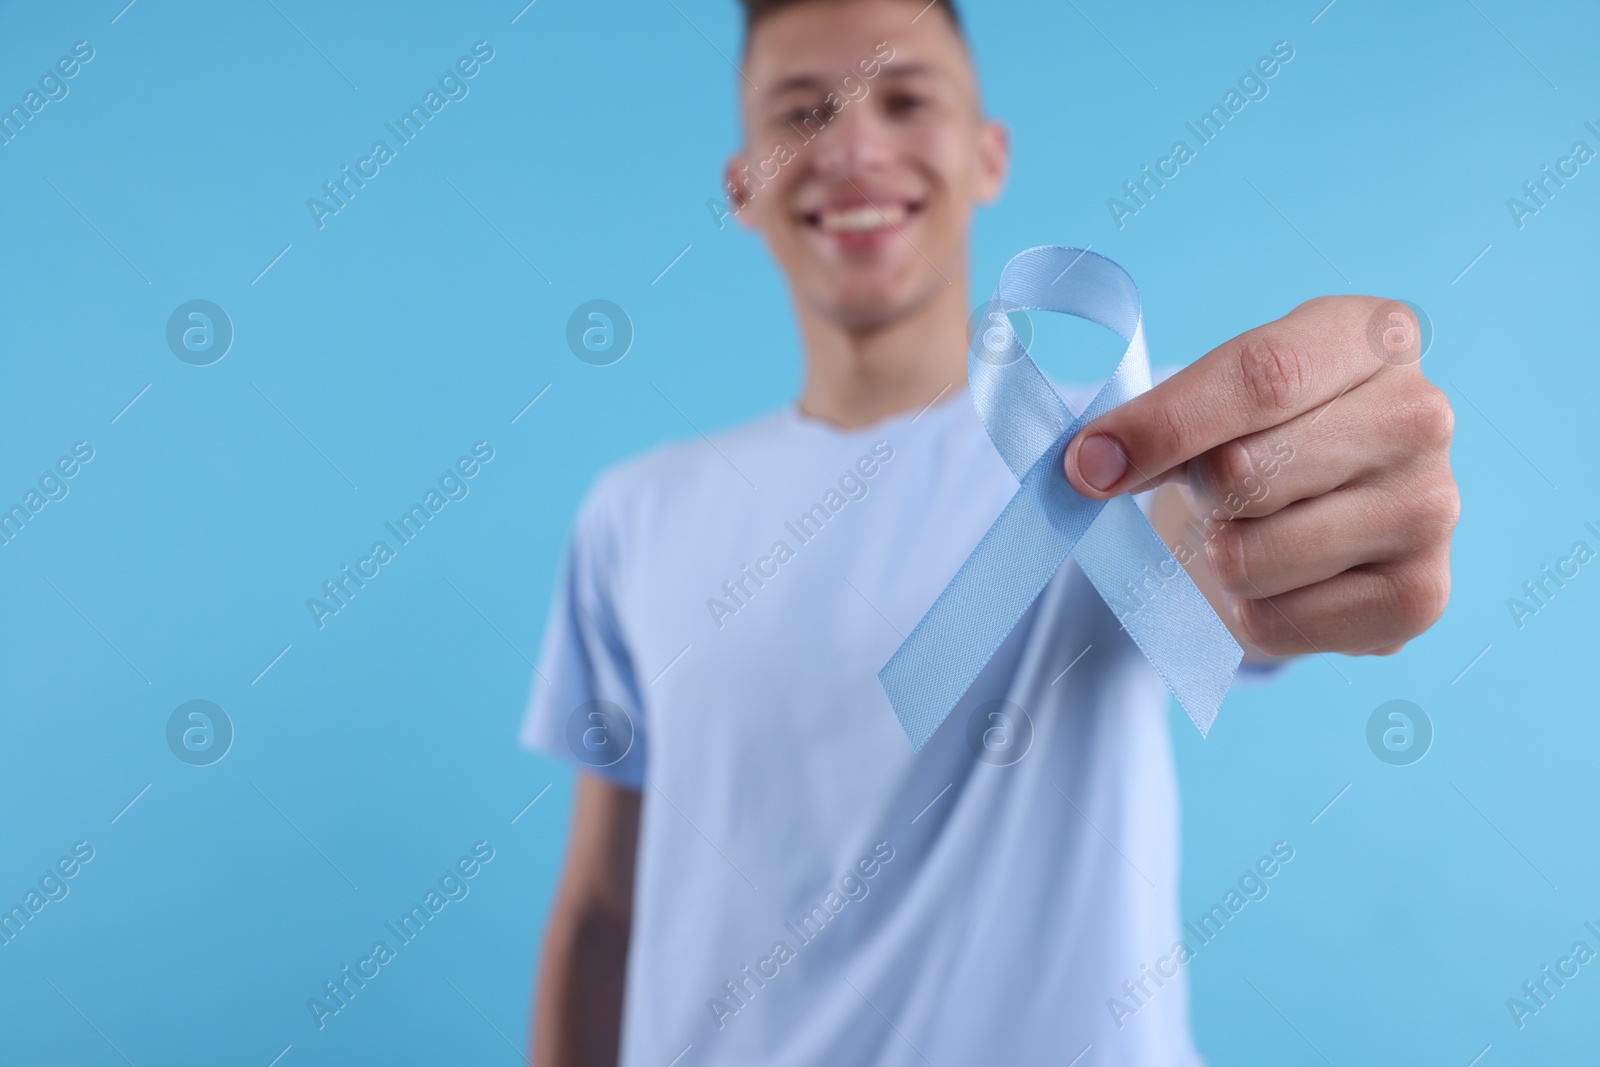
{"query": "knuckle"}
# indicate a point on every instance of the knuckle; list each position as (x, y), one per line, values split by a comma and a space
(1320, 306)
(1429, 515)
(1426, 418)
(1409, 313)
(1418, 597)
(1452, 512)
(1444, 510)
(1224, 470)
(1274, 370)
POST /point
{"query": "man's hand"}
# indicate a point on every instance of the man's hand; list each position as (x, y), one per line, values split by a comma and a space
(1317, 459)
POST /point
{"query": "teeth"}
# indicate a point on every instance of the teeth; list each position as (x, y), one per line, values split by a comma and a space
(861, 219)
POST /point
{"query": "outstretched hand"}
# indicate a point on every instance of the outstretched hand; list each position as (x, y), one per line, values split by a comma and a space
(1318, 456)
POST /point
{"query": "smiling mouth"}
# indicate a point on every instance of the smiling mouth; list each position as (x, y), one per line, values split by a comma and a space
(863, 218)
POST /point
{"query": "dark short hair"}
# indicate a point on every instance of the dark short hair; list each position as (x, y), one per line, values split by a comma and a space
(756, 10)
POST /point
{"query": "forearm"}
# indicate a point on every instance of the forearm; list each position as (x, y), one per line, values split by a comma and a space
(578, 1010)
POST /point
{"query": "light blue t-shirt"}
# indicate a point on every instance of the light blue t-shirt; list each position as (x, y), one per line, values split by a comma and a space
(808, 890)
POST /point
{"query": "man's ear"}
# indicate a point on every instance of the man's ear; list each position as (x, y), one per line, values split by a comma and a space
(737, 190)
(994, 160)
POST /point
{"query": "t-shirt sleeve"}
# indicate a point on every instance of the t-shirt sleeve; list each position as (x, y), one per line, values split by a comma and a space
(585, 705)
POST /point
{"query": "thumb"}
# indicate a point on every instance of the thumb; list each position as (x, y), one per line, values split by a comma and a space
(1101, 465)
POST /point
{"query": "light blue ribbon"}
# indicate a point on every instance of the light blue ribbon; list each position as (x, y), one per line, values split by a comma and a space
(1115, 546)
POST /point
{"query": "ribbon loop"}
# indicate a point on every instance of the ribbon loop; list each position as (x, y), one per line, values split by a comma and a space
(1047, 520)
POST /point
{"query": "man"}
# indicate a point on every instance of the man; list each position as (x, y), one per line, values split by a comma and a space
(760, 869)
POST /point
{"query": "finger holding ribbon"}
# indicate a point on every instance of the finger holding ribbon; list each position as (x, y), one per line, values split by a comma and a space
(1311, 459)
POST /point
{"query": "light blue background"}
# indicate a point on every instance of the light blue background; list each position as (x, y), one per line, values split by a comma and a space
(409, 328)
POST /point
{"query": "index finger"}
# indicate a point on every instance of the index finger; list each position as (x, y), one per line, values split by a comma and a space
(1260, 379)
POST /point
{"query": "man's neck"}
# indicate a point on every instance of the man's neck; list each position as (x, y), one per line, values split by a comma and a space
(857, 377)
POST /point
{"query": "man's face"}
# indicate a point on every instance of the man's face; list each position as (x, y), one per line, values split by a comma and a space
(865, 153)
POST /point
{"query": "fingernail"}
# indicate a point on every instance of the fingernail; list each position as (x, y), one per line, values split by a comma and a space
(1101, 462)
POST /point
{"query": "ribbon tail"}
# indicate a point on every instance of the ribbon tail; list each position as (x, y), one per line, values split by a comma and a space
(935, 666)
(1161, 608)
